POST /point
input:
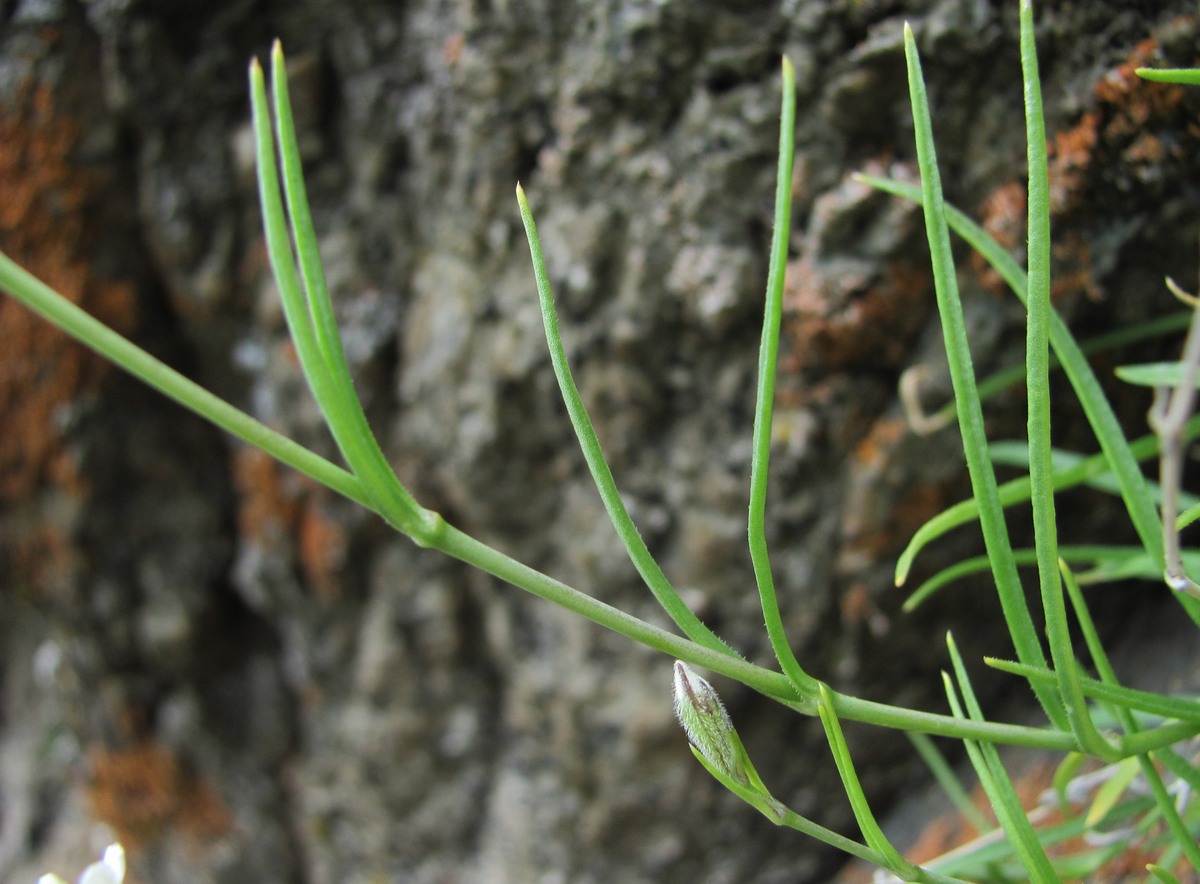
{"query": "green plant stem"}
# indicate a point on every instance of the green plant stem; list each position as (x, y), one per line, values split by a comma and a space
(60, 312)
(1182, 76)
(345, 411)
(1170, 412)
(764, 404)
(1112, 694)
(900, 718)
(92, 333)
(1013, 375)
(781, 815)
(462, 546)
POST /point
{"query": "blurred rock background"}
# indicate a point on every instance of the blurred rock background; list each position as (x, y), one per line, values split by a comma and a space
(248, 679)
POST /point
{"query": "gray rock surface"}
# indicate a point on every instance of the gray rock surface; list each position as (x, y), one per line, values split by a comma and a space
(250, 679)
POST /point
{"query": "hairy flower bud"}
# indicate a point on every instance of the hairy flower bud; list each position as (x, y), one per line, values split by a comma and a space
(706, 722)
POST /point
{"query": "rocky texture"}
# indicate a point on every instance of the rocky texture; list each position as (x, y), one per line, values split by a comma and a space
(248, 679)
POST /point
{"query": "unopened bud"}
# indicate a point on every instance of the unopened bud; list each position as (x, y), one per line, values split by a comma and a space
(706, 723)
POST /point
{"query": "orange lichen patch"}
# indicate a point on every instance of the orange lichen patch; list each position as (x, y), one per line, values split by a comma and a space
(878, 536)
(841, 320)
(1003, 216)
(875, 448)
(917, 507)
(452, 49)
(43, 227)
(143, 791)
(858, 610)
(279, 509)
(1146, 150)
(322, 551)
(267, 509)
(1070, 156)
(203, 815)
(1140, 100)
(1072, 268)
(950, 831)
(1119, 143)
(1120, 130)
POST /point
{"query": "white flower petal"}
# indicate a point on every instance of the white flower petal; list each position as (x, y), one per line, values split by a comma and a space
(110, 869)
(114, 858)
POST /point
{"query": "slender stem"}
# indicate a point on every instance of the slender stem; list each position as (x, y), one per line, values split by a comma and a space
(948, 779)
(1168, 418)
(92, 333)
(62, 313)
(1159, 738)
(1084, 470)
(1112, 694)
(462, 546)
(782, 815)
(883, 715)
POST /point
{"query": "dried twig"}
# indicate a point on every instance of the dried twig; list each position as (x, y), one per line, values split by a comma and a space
(1168, 414)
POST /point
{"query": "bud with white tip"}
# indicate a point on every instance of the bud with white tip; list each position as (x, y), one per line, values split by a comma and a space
(706, 723)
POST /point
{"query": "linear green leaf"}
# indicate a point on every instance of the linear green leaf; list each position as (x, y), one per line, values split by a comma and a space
(995, 780)
(1105, 426)
(1152, 374)
(765, 399)
(1037, 383)
(966, 397)
(1183, 76)
(589, 443)
(1084, 471)
(324, 357)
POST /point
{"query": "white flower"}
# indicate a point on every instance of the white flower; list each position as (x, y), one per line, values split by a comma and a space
(110, 869)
